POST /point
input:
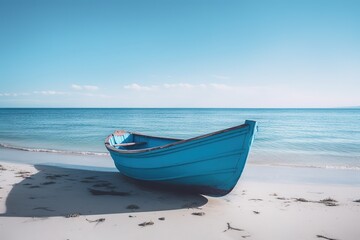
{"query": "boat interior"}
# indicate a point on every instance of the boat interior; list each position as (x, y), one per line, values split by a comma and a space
(133, 141)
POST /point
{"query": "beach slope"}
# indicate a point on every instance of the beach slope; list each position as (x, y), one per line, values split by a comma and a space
(44, 202)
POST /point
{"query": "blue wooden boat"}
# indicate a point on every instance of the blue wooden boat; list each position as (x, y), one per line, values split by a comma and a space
(210, 164)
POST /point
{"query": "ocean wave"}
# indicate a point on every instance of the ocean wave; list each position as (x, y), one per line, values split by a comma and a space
(86, 153)
(335, 167)
(343, 167)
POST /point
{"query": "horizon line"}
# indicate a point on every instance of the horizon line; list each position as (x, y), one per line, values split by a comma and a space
(348, 107)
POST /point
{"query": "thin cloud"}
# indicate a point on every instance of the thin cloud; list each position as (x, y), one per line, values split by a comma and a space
(8, 94)
(179, 86)
(13, 94)
(85, 94)
(50, 92)
(91, 88)
(76, 87)
(84, 87)
(138, 87)
(221, 86)
(53, 93)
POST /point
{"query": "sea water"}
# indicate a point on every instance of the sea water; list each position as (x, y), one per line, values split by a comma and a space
(312, 138)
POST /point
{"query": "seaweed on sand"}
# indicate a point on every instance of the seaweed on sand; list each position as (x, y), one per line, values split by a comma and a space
(99, 220)
(327, 238)
(146, 224)
(72, 215)
(198, 213)
(301, 200)
(229, 227)
(329, 202)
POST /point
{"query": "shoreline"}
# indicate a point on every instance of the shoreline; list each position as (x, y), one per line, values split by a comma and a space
(78, 204)
(256, 158)
(253, 171)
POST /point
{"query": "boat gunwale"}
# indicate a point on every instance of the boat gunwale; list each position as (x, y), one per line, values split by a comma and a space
(182, 141)
(168, 138)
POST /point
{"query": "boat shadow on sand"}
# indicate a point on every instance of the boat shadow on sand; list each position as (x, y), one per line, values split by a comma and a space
(56, 191)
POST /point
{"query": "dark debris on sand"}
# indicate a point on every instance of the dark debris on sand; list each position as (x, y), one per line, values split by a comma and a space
(329, 202)
(132, 207)
(198, 213)
(301, 200)
(255, 199)
(2, 168)
(161, 218)
(91, 178)
(229, 227)
(190, 205)
(72, 215)
(48, 183)
(44, 208)
(97, 192)
(256, 212)
(99, 220)
(357, 201)
(144, 224)
(87, 181)
(56, 176)
(104, 185)
(23, 174)
(323, 237)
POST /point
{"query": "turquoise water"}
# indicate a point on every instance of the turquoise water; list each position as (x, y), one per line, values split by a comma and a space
(321, 138)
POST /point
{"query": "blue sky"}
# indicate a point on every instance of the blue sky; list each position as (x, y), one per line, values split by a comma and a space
(179, 53)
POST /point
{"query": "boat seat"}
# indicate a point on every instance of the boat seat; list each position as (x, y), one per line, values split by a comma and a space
(129, 144)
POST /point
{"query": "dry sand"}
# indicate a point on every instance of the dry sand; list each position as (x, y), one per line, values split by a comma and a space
(43, 202)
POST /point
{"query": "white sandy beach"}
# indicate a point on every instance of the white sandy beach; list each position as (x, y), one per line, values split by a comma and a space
(43, 202)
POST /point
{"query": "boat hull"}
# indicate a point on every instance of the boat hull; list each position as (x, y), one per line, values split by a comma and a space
(210, 164)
